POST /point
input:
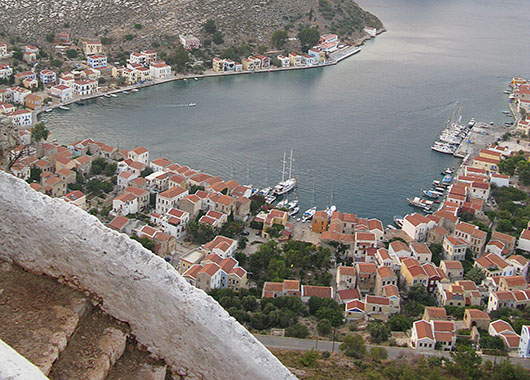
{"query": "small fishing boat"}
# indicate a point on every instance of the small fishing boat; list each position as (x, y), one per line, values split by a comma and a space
(135, 90)
(507, 91)
(430, 194)
(266, 191)
(125, 92)
(436, 183)
(64, 108)
(398, 221)
(113, 95)
(294, 211)
(48, 110)
(107, 96)
(292, 204)
(196, 79)
(282, 203)
(270, 199)
(80, 102)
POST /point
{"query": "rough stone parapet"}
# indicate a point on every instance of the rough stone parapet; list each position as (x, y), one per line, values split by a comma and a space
(172, 319)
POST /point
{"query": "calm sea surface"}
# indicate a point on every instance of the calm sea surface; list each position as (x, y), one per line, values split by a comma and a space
(363, 127)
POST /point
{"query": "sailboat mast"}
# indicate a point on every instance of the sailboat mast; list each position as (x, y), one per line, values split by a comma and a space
(291, 165)
(313, 196)
(283, 165)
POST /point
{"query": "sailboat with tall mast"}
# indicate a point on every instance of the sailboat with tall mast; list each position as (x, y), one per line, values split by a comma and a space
(331, 208)
(308, 214)
(288, 184)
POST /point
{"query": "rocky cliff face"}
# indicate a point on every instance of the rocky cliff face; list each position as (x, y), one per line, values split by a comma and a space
(238, 20)
(176, 322)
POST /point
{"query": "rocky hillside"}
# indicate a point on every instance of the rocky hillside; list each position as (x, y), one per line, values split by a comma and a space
(149, 21)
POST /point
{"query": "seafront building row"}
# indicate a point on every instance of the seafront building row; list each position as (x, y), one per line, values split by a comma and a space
(144, 67)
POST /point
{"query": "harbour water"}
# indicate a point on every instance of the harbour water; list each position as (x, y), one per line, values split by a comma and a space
(364, 126)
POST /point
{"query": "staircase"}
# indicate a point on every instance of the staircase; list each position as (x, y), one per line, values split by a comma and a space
(64, 335)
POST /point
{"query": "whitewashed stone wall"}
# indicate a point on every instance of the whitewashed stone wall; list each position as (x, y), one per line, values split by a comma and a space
(174, 320)
(14, 366)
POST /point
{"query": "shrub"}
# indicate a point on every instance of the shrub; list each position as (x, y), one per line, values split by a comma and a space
(379, 353)
(309, 358)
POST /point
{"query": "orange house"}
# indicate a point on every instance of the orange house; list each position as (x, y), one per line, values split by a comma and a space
(33, 101)
(320, 222)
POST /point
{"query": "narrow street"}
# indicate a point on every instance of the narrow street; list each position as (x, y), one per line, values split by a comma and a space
(393, 352)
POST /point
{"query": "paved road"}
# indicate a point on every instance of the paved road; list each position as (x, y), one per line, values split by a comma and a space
(393, 352)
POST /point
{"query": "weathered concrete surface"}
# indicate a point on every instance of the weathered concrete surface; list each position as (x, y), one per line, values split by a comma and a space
(174, 320)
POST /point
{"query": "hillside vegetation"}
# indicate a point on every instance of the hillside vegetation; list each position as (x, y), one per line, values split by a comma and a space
(136, 24)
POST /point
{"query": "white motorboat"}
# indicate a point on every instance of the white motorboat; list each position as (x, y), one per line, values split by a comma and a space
(292, 204)
(48, 110)
(308, 214)
(282, 203)
(266, 191)
(398, 221)
(192, 104)
(270, 199)
(294, 211)
(135, 90)
(125, 92)
(331, 209)
(113, 95)
(107, 96)
(64, 108)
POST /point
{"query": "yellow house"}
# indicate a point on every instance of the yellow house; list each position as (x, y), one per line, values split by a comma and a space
(218, 64)
(248, 65)
(295, 59)
(413, 273)
(274, 217)
(490, 154)
(490, 165)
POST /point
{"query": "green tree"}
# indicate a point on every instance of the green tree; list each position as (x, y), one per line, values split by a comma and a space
(399, 322)
(476, 275)
(72, 53)
(217, 38)
(110, 169)
(138, 26)
(308, 37)
(98, 166)
(324, 326)
(297, 331)
(278, 39)
(93, 186)
(249, 303)
(378, 353)
(379, 332)
(353, 346)
(504, 225)
(39, 132)
(465, 363)
(34, 175)
(259, 321)
(182, 57)
(209, 26)
(419, 294)
(146, 242)
(50, 37)
(436, 250)
(492, 343)
(309, 358)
